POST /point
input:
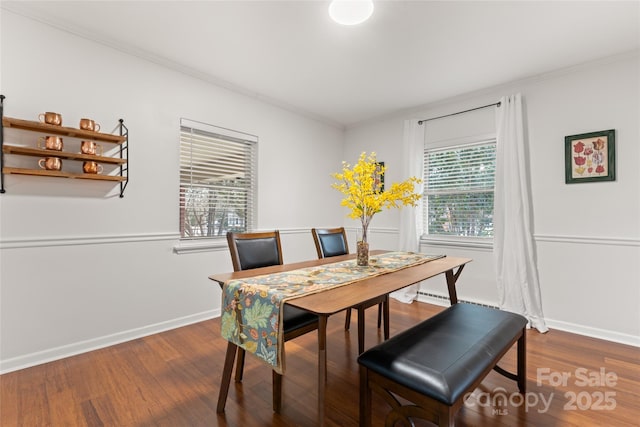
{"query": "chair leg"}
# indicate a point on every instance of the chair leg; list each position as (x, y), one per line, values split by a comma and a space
(240, 364)
(385, 315)
(347, 320)
(226, 376)
(277, 391)
(360, 329)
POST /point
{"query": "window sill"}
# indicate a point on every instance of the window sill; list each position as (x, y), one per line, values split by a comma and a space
(187, 246)
(458, 242)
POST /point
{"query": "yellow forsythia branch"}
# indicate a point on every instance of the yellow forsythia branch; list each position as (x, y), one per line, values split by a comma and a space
(362, 195)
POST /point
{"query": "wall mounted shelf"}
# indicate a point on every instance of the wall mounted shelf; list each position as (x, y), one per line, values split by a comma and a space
(120, 159)
(33, 126)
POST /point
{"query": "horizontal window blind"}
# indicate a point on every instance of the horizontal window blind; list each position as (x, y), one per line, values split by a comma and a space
(458, 190)
(217, 181)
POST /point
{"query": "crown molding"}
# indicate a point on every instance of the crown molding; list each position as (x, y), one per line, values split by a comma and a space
(28, 11)
(488, 94)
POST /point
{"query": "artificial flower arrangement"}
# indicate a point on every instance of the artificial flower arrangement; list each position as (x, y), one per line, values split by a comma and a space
(365, 197)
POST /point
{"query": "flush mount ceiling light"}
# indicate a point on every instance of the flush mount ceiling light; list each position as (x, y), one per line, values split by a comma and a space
(350, 12)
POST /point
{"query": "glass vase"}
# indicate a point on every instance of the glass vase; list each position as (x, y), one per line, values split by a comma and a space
(363, 253)
(362, 248)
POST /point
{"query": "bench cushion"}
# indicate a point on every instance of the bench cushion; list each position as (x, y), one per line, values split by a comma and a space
(442, 356)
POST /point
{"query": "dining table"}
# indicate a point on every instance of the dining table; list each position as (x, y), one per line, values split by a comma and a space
(337, 299)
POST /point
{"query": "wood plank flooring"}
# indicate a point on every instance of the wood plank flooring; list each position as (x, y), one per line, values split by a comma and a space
(173, 378)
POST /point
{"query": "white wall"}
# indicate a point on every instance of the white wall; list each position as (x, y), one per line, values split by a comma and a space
(587, 235)
(82, 268)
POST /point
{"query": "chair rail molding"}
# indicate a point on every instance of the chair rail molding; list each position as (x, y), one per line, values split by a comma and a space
(587, 240)
(209, 244)
(41, 242)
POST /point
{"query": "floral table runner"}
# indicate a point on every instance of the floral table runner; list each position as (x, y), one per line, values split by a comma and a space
(252, 308)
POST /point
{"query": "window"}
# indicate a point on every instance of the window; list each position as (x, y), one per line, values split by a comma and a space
(458, 191)
(217, 180)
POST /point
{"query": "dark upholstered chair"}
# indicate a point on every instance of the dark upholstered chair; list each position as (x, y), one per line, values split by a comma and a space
(330, 241)
(333, 242)
(255, 250)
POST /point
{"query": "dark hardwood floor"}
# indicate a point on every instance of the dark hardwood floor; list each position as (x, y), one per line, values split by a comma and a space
(172, 379)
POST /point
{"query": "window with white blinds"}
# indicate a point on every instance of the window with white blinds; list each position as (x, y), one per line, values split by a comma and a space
(217, 180)
(458, 190)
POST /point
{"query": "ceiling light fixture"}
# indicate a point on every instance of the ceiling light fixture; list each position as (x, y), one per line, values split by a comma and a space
(350, 12)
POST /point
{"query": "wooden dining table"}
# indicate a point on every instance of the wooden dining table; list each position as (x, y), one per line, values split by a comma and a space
(337, 299)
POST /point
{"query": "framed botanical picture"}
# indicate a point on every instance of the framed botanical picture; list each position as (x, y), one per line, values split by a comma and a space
(590, 157)
(378, 178)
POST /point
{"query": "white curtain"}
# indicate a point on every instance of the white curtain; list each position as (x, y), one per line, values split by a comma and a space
(518, 285)
(411, 217)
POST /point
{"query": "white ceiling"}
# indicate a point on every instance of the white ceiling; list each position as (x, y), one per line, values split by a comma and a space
(410, 53)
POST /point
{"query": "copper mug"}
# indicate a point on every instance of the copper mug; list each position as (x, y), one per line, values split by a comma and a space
(50, 118)
(91, 167)
(90, 147)
(51, 143)
(88, 124)
(50, 163)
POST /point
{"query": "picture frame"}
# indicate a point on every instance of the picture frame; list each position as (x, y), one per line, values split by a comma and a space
(378, 178)
(590, 157)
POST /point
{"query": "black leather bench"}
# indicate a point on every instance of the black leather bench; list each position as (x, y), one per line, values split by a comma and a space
(437, 362)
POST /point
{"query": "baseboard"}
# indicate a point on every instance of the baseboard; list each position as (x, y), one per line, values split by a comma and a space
(443, 300)
(603, 334)
(589, 331)
(49, 355)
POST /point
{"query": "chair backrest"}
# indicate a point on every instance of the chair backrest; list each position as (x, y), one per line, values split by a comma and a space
(330, 241)
(254, 250)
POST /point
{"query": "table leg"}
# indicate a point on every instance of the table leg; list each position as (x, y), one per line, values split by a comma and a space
(365, 398)
(277, 391)
(226, 376)
(451, 283)
(322, 365)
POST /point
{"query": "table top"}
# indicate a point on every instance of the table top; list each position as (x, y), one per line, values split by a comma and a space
(340, 298)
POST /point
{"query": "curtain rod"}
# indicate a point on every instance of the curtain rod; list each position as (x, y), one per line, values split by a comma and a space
(496, 104)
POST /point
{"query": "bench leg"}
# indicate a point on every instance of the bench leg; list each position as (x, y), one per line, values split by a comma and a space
(446, 418)
(365, 398)
(522, 362)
